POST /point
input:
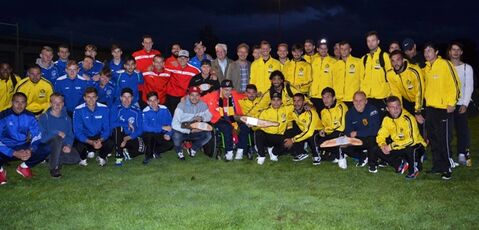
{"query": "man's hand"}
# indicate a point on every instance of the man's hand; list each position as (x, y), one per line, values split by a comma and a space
(86, 77)
(322, 133)
(96, 77)
(307, 107)
(97, 144)
(67, 149)
(450, 109)
(419, 118)
(61, 134)
(125, 139)
(197, 119)
(166, 137)
(386, 149)
(353, 134)
(288, 143)
(462, 109)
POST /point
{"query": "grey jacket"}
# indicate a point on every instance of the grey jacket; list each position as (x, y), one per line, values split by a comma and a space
(216, 67)
(186, 111)
(233, 74)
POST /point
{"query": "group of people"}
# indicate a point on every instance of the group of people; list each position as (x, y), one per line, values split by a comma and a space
(395, 102)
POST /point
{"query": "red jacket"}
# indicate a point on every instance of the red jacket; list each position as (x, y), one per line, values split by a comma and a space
(144, 59)
(156, 81)
(180, 78)
(212, 99)
(171, 62)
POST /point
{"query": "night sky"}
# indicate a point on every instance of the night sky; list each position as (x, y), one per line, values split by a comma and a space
(232, 22)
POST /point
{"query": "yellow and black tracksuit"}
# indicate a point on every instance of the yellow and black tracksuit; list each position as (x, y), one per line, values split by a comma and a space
(321, 79)
(273, 136)
(260, 72)
(346, 78)
(287, 94)
(283, 64)
(310, 58)
(333, 122)
(408, 85)
(442, 89)
(250, 108)
(374, 82)
(7, 88)
(298, 74)
(38, 94)
(403, 136)
(304, 128)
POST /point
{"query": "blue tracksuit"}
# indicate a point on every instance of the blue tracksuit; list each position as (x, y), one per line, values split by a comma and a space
(88, 124)
(51, 73)
(366, 124)
(114, 67)
(124, 80)
(51, 125)
(72, 90)
(96, 69)
(18, 130)
(153, 121)
(61, 66)
(106, 95)
(129, 119)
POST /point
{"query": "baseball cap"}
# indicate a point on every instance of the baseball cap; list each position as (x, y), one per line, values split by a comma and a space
(275, 95)
(226, 83)
(194, 89)
(184, 53)
(408, 44)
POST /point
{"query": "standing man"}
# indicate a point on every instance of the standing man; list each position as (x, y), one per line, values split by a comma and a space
(322, 67)
(410, 49)
(63, 56)
(20, 139)
(298, 72)
(91, 51)
(442, 92)
(8, 82)
(283, 54)
(466, 76)
(128, 78)
(200, 50)
(71, 86)
(172, 61)
(156, 80)
(239, 70)
(116, 62)
(262, 68)
(144, 57)
(49, 70)
(221, 63)
(376, 66)
(310, 51)
(37, 89)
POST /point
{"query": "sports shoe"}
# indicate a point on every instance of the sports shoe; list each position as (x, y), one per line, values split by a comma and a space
(119, 162)
(412, 175)
(462, 158)
(336, 160)
(273, 157)
(181, 156)
(446, 176)
(3, 177)
(373, 169)
(405, 167)
(101, 161)
(316, 160)
(239, 154)
(300, 157)
(260, 160)
(147, 160)
(83, 163)
(55, 173)
(362, 163)
(383, 164)
(126, 154)
(342, 163)
(25, 172)
(90, 154)
(229, 155)
(191, 152)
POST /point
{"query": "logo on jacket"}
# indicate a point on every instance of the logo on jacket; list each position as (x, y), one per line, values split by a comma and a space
(365, 122)
(352, 68)
(301, 72)
(42, 93)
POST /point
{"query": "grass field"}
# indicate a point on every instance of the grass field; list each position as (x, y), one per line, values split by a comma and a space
(202, 193)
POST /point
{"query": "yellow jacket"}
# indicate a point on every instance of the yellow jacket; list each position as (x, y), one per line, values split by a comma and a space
(310, 58)
(260, 72)
(374, 82)
(321, 75)
(38, 94)
(307, 122)
(333, 119)
(7, 90)
(346, 77)
(282, 65)
(286, 97)
(279, 115)
(299, 74)
(409, 85)
(403, 131)
(250, 108)
(442, 84)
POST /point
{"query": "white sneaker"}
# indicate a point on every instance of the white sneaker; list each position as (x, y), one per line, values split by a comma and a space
(273, 157)
(260, 160)
(342, 163)
(83, 163)
(335, 161)
(229, 155)
(101, 161)
(239, 154)
(192, 153)
(181, 156)
(90, 155)
(462, 158)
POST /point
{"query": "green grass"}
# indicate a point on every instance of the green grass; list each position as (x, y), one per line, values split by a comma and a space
(202, 193)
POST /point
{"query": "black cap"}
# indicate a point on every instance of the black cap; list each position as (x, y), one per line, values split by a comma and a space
(126, 90)
(275, 95)
(226, 83)
(408, 44)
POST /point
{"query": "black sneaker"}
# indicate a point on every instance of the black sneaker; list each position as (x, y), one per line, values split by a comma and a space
(147, 160)
(412, 176)
(373, 169)
(55, 173)
(316, 160)
(383, 164)
(362, 163)
(300, 157)
(446, 176)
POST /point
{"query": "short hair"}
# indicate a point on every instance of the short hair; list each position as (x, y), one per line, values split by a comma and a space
(359, 92)
(309, 41)
(222, 46)
(395, 42)
(276, 73)
(328, 90)
(114, 47)
(90, 47)
(392, 99)
(283, 45)
(90, 89)
(146, 36)
(256, 47)
(71, 62)
(151, 94)
(31, 67)
(47, 48)
(297, 46)
(299, 95)
(65, 46)
(19, 94)
(372, 33)
(455, 43)
(251, 86)
(243, 45)
(158, 56)
(106, 71)
(396, 52)
(128, 59)
(264, 42)
(341, 43)
(126, 90)
(90, 57)
(57, 94)
(431, 45)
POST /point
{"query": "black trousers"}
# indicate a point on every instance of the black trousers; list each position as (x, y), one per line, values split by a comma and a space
(439, 132)
(84, 148)
(369, 144)
(264, 140)
(172, 102)
(463, 135)
(135, 146)
(334, 150)
(410, 154)
(155, 143)
(298, 147)
(409, 106)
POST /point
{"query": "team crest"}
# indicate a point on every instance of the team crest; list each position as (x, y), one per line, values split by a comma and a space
(365, 122)
(42, 93)
(270, 68)
(352, 68)
(131, 120)
(301, 72)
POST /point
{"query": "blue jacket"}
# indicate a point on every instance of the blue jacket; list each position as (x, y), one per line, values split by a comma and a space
(196, 62)
(129, 119)
(51, 125)
(72, 90)
(366, 124)
(87, 123)
(96, 69)
(153, 121)
(18, 129)
(124, 80)
(51, 73)
(61, 66)
(106, 95)
(114, 67)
